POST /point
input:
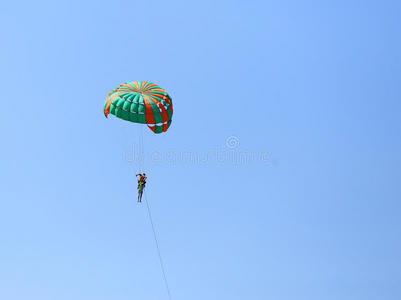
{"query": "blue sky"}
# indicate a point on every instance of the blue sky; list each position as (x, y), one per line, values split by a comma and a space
(313, 87)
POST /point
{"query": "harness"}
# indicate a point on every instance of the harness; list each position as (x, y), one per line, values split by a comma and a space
(141, 183)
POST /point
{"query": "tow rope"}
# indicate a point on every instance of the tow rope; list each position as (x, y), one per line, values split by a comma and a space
(141, 160)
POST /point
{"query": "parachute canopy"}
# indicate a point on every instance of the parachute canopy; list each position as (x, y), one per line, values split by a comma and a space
(141, 102)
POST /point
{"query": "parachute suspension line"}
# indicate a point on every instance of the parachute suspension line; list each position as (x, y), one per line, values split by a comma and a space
(141, 156)
(158, 248)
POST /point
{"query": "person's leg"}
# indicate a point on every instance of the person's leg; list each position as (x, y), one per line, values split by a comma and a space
(140, 195)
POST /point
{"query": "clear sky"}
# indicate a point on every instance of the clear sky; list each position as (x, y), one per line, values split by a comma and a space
(292, 109)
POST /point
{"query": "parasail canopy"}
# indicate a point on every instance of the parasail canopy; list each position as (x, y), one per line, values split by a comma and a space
(141, 102)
